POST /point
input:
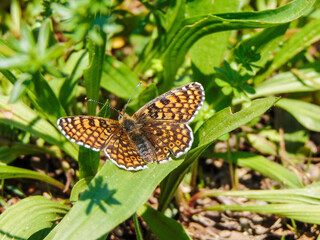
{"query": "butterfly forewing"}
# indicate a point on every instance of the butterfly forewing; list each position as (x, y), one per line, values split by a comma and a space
(179, 105)
(90, 132)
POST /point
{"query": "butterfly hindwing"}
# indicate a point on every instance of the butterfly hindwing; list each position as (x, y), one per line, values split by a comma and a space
(169, 138)
(121, 152)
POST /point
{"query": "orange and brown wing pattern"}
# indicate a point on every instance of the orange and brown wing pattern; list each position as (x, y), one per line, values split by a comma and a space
(90, 132)
(168, 138)
(178, 105)
(122, 153)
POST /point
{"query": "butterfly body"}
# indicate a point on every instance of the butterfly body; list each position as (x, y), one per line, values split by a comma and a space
(134, 131)
(156, 131)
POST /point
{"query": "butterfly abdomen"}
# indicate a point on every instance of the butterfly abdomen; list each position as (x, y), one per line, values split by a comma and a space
(142, 145)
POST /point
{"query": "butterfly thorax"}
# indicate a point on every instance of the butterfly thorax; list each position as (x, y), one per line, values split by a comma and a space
(133, 129)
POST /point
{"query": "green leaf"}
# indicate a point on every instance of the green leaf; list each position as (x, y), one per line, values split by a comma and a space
(78, 188)
(92, 75)
(113, 196)
(16, 61)
(164, 227)
(305, 79)
(74, 67)
(203, 59)
(137, 227)
(30, 218)
(196, 28)
(20, 87)
(46, 36)
(23, 117)
(118, 78)
(7, 172)
(44, 99)
(218, 125)
(308, 35)
(264, 42)
(9, 151)
(262, 144)
(89, 160)
(264, 166)
(307, 114)
(301, 212)
(300, 204)
(174, 18)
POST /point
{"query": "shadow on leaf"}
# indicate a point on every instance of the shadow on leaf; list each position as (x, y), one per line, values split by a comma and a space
(99, 194)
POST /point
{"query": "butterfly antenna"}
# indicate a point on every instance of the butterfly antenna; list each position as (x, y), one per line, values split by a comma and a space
(103, 104)
(125, 106)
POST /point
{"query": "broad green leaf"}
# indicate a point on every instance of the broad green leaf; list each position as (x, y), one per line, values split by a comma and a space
(218, 125)
(113, 196)
(307, 114)
(7, 172)
(264, 166)
(118, 78)
(30, 217)
(23, 117)
(164, 227)
(216, 43)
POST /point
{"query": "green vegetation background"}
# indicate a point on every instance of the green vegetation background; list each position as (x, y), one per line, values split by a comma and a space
(52, 54)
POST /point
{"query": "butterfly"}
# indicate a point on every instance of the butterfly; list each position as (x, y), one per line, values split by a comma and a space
(152, 134)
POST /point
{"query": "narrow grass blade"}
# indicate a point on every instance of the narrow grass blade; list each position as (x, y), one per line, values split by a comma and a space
(7, 172)
(301, 212)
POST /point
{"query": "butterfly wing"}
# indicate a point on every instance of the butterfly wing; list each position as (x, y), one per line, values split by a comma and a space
(90, 132)
(168, 138)
(179, 105)
(122, 153)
